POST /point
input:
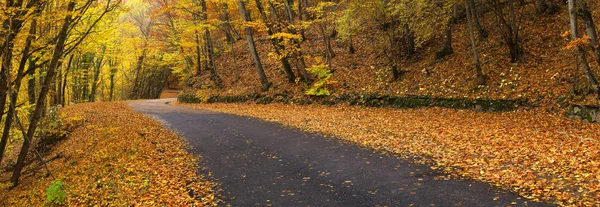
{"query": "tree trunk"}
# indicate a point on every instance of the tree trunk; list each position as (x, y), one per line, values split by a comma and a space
(409, 40)
(198, 54)
(64, 84)
(279, 49)
(351, 45)
(302, 67)
(289, 11)
(11, 27)
(17, 86)
(590, 28)
(509, 29)
(138, 71)
(97, 71)
(329, 54)
(480, 76)
(483, 33)
(214, 73)
(580, 51)
(31, 82)
(232, 35)
(235, 64)
(112, 86)
(447, 48)
(252, 48)
(516, 49)
(39, 107)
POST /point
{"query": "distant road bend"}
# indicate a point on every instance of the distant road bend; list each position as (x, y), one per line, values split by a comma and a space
(265, 164)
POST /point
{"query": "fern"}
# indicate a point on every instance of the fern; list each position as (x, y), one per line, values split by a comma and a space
(55, 193)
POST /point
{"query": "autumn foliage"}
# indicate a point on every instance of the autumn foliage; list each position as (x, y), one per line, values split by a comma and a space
(115, 157)
(540, 157)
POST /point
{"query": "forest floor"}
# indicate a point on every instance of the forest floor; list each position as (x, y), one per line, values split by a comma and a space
(533, 153)
(113, 156)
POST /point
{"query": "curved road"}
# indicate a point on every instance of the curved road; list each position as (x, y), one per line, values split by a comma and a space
(265, 164)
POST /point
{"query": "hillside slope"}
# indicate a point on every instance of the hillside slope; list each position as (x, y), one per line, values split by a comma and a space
(547, 75)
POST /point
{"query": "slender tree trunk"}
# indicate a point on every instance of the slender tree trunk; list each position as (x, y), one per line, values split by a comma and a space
(232, 35)
(289, 11)
(17, 86)
(250, 40)
(447, 48)
(31, 82)
(138, 72)
(302, 67)
(516, 49)
(112, 86)
(64, 84)
(97, 71)
(590, 28)
(235, 64)
(409, 39)
(214, 72)
(483, 33)
(58, 82)
(448, 39)
(580, 51)
(351, 45)
(302, 15)
(58, 53)
(11, 27)
(480, 76)
(279, 49)
(198, 54)
(5, 70)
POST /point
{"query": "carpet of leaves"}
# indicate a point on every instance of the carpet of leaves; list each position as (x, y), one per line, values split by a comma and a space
(117, 157)
(547, 75)
(535, 154)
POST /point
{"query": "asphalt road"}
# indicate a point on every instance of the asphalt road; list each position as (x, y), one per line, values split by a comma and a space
(265, 164)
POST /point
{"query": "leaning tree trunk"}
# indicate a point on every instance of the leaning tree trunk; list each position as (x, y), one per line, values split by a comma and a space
(279, 50)
(480, 76)
(301, 66)
(590, 28)
(10, 28)
(138, 72)
(15, 92)
(39, 107)
(252, 47)
(580, 51)
(31, 82)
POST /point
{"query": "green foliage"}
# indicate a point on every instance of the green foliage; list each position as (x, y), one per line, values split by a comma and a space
(320, 87)
(55, 193)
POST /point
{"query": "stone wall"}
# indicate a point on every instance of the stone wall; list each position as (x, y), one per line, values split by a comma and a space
(584, 113)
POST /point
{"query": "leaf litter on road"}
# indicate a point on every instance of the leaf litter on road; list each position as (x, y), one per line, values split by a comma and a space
(537, 155)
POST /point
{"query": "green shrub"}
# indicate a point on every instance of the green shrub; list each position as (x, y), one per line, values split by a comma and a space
(56, 194)
(321, 86)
